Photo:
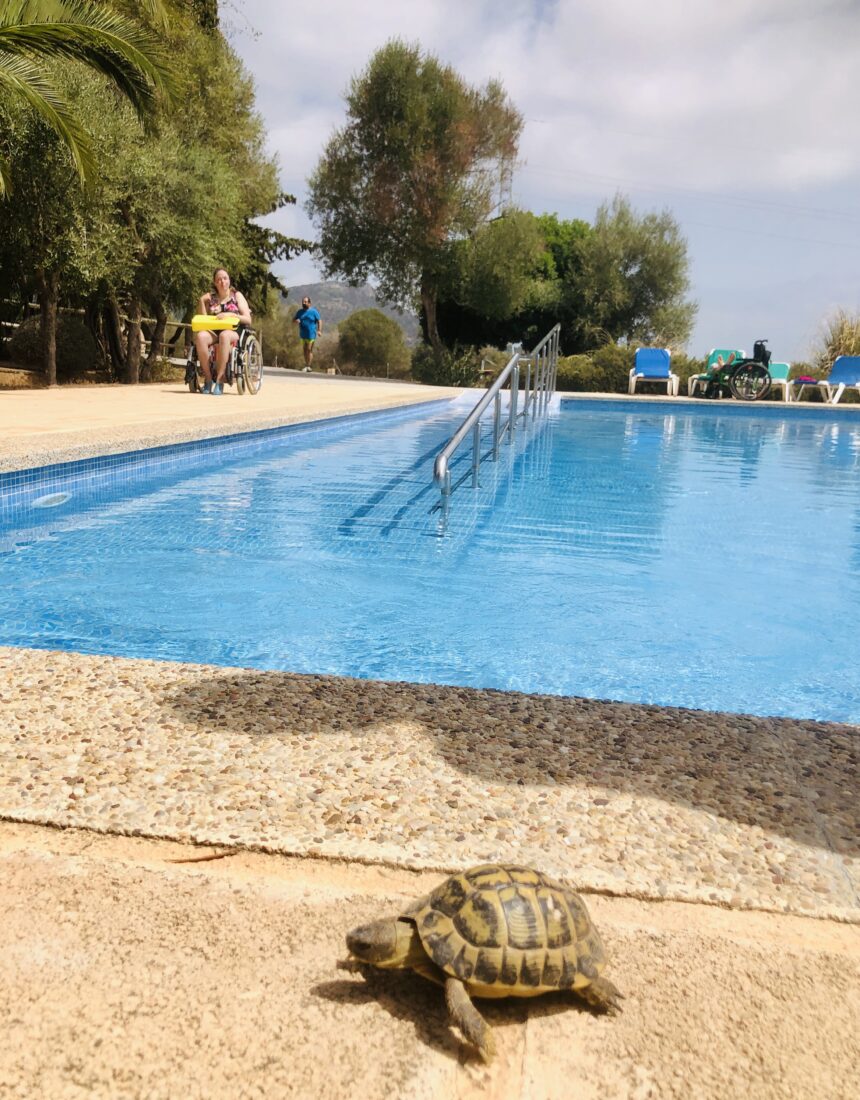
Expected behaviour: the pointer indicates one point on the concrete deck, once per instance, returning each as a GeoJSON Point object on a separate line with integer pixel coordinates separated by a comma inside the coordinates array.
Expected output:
{"type": "Point", "coordinates": [631, 801]}
{"type": "Point", "coordinates": [128, 970]}
{"type": "Point", "coordinates": [39, 427]}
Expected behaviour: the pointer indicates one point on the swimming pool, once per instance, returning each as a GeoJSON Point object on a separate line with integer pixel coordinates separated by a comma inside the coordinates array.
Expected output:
{"type": "Point", "coordinates": [649, 552]}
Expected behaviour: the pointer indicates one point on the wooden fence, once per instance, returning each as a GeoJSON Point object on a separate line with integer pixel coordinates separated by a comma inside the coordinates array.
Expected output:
{"type": "Point", "coordinates": [177, 341]}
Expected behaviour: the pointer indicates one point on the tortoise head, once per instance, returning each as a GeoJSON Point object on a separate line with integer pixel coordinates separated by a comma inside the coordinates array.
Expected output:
{"type": "Point", "coordinates": [386, 943]}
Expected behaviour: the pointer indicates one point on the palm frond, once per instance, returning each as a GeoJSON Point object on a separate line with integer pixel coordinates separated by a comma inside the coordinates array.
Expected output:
{"type": "Point", "coordinates": [26, 80]}
{"type": "Point", "coordinates": [128, 54]}
{"type": "Point", "coordinates": [155, 10]}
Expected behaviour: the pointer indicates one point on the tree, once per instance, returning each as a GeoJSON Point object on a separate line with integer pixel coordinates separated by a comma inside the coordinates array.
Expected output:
{"type": "Point", "coordinates": [497, 265]}
{"type": "Point", "coordinates": [624, 278]}
{"type": "Point", "coordinates": [165, 193]}
{"type": "Point", "coordinates": [145, 236]}
{"type": "Point", "coordinates": [186, 199]}
{"type": "Point", "coordinates": [413, 169]}
{"type": "Point", "coordinates": [45, 233]}
{"type": "Point", "coordinates": [34, 33]}
{"type": "Point", "coordinates": [206, 13]}
{"type": "Point", "coordinates": [495, 279]}
{"type": "Point", "coordinates": [373, 343]}
{"type": "Point", "coordinates": [558, 297]}
{"type": "Point", "coordinates": [634, 278]}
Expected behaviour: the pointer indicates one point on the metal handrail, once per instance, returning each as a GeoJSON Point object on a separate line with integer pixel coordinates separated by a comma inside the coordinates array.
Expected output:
{"type": "Point", "coordinates": [544, 360]}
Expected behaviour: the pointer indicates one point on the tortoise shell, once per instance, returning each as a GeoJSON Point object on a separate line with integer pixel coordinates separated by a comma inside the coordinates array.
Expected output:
{"type": "Point", "coordinates": [507, 931]}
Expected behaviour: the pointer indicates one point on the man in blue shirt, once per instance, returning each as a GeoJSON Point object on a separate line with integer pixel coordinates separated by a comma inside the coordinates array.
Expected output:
{"type": "Point", "coordinates": [310, 323]}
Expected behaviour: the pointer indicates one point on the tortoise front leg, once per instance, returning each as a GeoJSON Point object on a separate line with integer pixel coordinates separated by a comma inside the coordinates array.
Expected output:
{"type": "Point", "coordinates": [602, 995]}
{"type": "Point", "coordinates": [468, 1019]}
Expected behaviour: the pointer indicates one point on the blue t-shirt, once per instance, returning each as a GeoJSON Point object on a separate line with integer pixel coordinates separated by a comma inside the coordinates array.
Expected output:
{"type": "Point", "coordinates": [308, 319]}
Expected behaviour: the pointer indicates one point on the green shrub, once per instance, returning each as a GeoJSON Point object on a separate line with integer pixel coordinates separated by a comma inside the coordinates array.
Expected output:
{"type": "Point", "coordinates": [455, 368]}
{"type": "Point", "coordinates": [685, 366]}
{"type": "Point", "coordinates": [604, 370]}
{"type": "Point", "coordinates": [576, 375]}
{"type": "Point", "coordinates": [76, 350]}
{"type": "Point", "coordinates": [839, 335]}
{"type": "Point", "coordinates": [495, 358]}
{"type": "Point", "coordinates": [607, 370]}
{"type": "Point", "coordinates": [373, 344]}
{"type": "Point", "coordinates": [491, 362]}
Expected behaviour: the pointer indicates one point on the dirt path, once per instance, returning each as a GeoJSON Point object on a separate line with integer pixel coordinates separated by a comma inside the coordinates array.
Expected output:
{"type": "Point", "coordinates": [129, 973]}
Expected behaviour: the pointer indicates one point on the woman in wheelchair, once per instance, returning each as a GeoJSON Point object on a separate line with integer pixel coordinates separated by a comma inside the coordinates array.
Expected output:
{"type": "Point", "coordinates": [223, 298]}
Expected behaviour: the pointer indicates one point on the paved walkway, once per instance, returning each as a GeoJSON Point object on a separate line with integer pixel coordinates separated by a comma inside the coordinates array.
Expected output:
{"type": "Point", "coordinates": [38, 427]}
{"type": "Point", "coordinates": [128, 970]}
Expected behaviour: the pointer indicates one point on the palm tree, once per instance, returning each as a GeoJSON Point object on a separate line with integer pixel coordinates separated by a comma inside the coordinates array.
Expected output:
{"type": "Point", "coordinates": [33, 33]}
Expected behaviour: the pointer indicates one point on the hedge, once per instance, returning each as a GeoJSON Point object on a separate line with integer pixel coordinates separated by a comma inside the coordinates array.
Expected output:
{"type": "Point", "coordinates": [607, 370]}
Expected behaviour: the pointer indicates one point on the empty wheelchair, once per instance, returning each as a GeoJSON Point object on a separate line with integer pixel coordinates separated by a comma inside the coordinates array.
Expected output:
{"type": "Point", "coordinates": [244, 367]}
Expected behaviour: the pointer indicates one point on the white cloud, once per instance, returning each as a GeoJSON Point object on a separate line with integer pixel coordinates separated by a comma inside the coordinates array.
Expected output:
{"type": "Point", "coordinates": [674, 99]}
{"type": "Point", "coordinates": [670, 90]}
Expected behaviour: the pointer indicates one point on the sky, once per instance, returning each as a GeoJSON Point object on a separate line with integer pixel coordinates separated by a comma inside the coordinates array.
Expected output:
{"type": "Point", "coordinates": [740, 117]}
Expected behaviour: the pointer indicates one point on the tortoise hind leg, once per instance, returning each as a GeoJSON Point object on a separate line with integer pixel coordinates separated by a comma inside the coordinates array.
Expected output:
{"type": "Point", "coordinates": [468, 1019]}
{"type": "Point", "coordinates": [601, 994]}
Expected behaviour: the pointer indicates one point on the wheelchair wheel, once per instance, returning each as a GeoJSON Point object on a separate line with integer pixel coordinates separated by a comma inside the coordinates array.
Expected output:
{"type": "Point", "coordinates": [253, 365]}
{"type": "Point", "coordinates": [240, 377]}
{"type": "Point", "coordinates": [750, 383]}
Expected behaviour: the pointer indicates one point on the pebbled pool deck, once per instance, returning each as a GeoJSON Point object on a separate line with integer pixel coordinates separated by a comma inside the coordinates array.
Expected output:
{"type": "Point", "coordinates": [629, 800]}
{"type": "Point", "coordinates": [640, 801]}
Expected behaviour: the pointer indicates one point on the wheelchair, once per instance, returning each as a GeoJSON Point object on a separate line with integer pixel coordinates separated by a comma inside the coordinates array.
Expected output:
{"type": "Point", "coordinates": [746, 379]}
{"type": "Point", "coordinates": [244, 367]}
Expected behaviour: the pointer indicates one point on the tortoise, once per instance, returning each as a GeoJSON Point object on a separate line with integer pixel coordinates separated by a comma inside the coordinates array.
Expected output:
{"type": "Point", "coordinates": [497, 930]}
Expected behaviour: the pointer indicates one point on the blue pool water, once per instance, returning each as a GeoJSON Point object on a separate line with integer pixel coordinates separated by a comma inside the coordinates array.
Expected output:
{"type": "Point", "coordinates": [703, 557]}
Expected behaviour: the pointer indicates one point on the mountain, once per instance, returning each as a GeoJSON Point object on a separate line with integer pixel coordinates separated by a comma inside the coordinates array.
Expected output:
{"type": "Point", "coordinates": [336, 301]}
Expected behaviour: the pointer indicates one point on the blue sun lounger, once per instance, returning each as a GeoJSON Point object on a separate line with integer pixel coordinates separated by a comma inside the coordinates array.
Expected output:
{"type": "Point", "coordinates": [652, 365]}
{"type": "Point", "coordinates": [844, 374]}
